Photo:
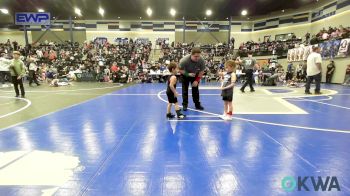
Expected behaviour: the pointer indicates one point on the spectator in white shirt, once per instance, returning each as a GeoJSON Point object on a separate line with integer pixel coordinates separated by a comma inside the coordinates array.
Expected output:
{"type": "Point", "coordinates": [32, 71]}
{"type": "Point", "coordinates": [314, 70]}
{"type": "Point", "coordinates": [4, 68]}
{"type": "Point", "coordinates": [39, 53]}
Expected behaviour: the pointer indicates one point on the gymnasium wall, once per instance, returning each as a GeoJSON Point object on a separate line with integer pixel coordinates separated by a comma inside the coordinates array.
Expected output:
{"type": "Point", "coordinates": [58, 36]}
{"type": "Point", "coordinates": [202, 37]}
{"type": "Point", "coordinates": [335, 21]}
{"type": "Point", "coordinates": [299, 21]}
{"type": "Point", "coordinates": [14, 35]}
{"type": "Point", "coordinates": [111, 35]}
{"type": "Point", "coordinates": [310, 19]}
{"type": "Point", "coordinates": [301, 29]}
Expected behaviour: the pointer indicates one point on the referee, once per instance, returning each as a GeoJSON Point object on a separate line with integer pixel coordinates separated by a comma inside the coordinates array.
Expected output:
{"type": "Point", "coordinates": [192, 69]}
{"type": "Point", "coordinates": [249, 64]}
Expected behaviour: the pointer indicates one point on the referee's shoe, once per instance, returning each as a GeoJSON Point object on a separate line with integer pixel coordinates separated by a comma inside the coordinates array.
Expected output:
{"type": "Point", "coordinates": [198, 107]}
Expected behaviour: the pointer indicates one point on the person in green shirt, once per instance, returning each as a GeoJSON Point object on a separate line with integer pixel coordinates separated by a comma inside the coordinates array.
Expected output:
{"type": "Point", "coordinates": [17, 71]}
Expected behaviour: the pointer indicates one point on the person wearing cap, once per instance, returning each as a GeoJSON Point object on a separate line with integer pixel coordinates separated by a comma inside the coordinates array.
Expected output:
{"type": "Point", "coordinates": [17, 71]}
{"type": "Point", "coordinates": [314, 70]}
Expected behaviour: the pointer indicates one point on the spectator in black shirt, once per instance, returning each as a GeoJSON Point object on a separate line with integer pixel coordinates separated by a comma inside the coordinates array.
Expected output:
{"type": "Point", "coordinates": [307, 38]}
{"type": "Point", "coordinates": [330, 72]}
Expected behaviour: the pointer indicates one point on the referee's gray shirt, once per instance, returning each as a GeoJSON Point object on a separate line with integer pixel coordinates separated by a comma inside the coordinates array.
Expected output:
{"type": "Point", "coordinates": [249, 63]}
{"type": "Point", "coordinates": [190, 66]}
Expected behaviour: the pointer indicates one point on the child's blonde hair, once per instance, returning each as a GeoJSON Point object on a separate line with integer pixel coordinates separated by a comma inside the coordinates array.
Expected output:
{"type": "Point", "coordinates": [231, 63]}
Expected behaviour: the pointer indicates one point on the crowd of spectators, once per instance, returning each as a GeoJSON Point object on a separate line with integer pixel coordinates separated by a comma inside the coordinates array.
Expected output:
{"type": "Point", "coordinates": [128, 61]}
{"type": "Point", "coordinates": [280, 47]}
{"type": "Point", "coordinates": [102, 62]}
{"type": "Point", "coordinates": [330, 34]}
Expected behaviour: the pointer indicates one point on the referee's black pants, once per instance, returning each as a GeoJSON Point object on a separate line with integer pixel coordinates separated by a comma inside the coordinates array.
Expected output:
{"type": "Point", "coordinates": [249, 79]}
{"type": "Point", "coordinates": [186, 81]}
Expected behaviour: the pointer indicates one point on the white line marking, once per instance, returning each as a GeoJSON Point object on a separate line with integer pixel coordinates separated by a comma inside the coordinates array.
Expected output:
{"type": "Point", "coordinates": [331, 92]}
{"type": "Point", "coordinates": [267, 92]}
{"type": "Point", "coordinates": [187, 120]}
{"type": "Point", "coordinates": [126, 94]}
{"type": "Point", "coordinates": [157, 94]}
{"type": "Point", "coordinates": [109, 94]}
{"type": "Point", "coordinates": [19, 110]}
{"type": "Point", "coordinates": [338, 106]}
{"type": "Point", "coordinates": [270, 113]}
{"type": "Point", "coordinates": [293, 109]}
{"type": "Point", "coordinates": [286, 147]}
{"type": "Point", "coordinates": [290, 90]}
{"type": "Point", "coordinates": [264, 122]}
{"type": "Point", "coordinates": [293, 126]}
{"type": "Point", "coordinates": [300, 99]}
{"type": "Point", "coordinates": [72, 90]}
{"type": "Point", "coordinates": [329, 98]}
{"type": "Point", "coordinates": [201, 116]}
{"type": "Point", "coordinates": [290, 106]}
{"type": "Point", "coordinates": [50, 113]}
{"type": "Point", "coordinates": [107, 159]}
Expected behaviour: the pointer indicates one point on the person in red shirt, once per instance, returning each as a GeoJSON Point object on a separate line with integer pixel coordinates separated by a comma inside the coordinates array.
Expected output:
{"type": "Point", "coordinates": [114, 67]}
{"type": "Point", "coordinates": [114, 70]}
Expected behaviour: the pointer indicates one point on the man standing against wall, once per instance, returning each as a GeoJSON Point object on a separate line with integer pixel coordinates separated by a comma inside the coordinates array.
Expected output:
{"type": "Point", "coordinates": [290, 71]}
{"type": "Point", "coordinates": [17, 71]}
{"type": "Point", "coordinates": [330, 72]}
{"type": "Point", "coordinates": [249, 65]}
{"type": "Point", "coordinates": [233, 43]}
{"type": "Point", "coordinates": [192, 69]}
{"type": "Point", "coordinates": [314, 70]}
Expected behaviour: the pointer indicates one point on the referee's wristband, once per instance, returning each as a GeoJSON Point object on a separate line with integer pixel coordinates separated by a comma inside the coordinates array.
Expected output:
{"type": "Point", "coordinates": [198, 79]}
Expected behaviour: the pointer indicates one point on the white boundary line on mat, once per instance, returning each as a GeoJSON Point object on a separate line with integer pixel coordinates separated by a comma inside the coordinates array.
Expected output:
{"type": "Point", "coordinates": [14, 125]}
{"type": "Point", "coordinates": [188, 120]}
{"type": "Point", "coordinates": [201, 116]}
{"type": "Point", "coordinates": [55, 90]}
{"type": "Point", "coordinates": [317, 101]}
{"type": "Point", "coordinates": [19, 110]}
{"type": "Point", "coordinates": [265, 122]}
{"type": "Point", "coordinates": [302, 99]}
